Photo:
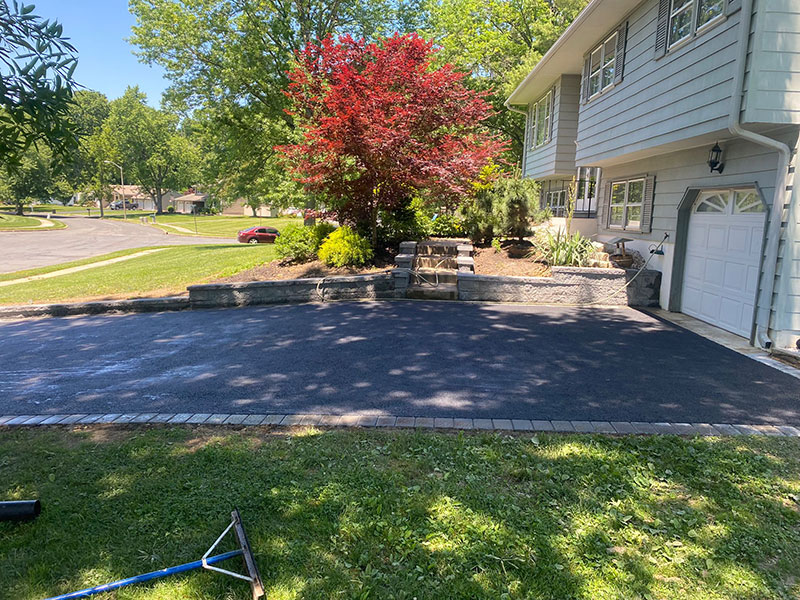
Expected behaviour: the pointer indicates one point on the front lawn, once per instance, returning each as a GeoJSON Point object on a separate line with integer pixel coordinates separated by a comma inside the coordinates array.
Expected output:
{"type": "Point", "coordinates": [207, 225]}
{"type": "Point", "coordinates": [13, 222]}
{"type": "Point", "coordinates": [163, 273]}
{"type": "Point", "coordinates": [370, 514]}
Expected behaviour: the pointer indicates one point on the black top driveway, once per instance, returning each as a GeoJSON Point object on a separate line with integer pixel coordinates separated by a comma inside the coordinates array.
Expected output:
{"type": "Point", "coordinates": [398, 358]}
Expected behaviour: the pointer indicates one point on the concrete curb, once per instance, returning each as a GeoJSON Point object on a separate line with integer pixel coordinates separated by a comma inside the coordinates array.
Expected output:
{"type": "Point", "coordinates": [170, 303]}
{"type": "Point", "coordinates": [394, 422]}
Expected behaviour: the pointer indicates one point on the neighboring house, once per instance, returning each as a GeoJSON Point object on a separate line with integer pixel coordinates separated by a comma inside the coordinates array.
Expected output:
{"type": "Point", "coordinates": [632, 99]}
{"type": "Point", "coordinates": [191, 202]}
{"type": "Point", "coordinates": [131, 193]}
{"type": "Point", "coordinates": [239, 208]}
{"type": "Point", "coordinates": [139, 196]}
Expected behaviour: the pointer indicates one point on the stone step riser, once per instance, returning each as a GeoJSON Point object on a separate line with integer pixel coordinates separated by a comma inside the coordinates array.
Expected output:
{"type": "Point", "coordinates": [435, 262]}
{"type": "Point", "coordinates": [430, 278]}
{"type": "Point", "coordinates": [442, 292]}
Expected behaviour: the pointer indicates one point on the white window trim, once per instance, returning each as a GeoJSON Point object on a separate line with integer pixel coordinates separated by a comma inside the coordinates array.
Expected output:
{"type": "Point", "coordinates": [695, 30]}
{"type": "Point", "coordinates": [602, 48]}
{"type": "Point", "coordinates": [627, 183]}
{"type": "Point", "coordinates": [562, 207]}
{"type": "Point", "coordinates": [547, 102]}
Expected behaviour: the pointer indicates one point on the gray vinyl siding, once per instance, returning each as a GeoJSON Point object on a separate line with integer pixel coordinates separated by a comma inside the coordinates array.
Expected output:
{"type": "Point", "coordinates": [745, 163]}
{"type": "Point", "coordinates": [773, 80]}
{"type": "Point", "coordinates": [557, 157]}
{"type": "Point", "coordinates": [684, 94]}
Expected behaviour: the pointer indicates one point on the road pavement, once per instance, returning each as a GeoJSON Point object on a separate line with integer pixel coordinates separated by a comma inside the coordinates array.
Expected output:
{"type": "Point", "coordinates": [83, 238]}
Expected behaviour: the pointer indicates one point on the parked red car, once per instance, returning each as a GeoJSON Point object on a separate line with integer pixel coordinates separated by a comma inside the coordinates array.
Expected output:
{"type": "Point", "coordinates": [258, 235]}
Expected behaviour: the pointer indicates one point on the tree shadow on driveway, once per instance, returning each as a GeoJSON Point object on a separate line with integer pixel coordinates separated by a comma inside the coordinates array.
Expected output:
{"type": "Point", "coordinates": [398, 358]}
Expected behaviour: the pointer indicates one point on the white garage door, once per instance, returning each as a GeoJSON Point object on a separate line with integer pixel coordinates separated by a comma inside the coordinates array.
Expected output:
{"type": "Point", "coordinates": [723, 250]}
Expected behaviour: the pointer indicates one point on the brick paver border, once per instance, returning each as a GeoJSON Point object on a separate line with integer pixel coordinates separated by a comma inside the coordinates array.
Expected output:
{"type": "Point", "coordinates": [394, 422]}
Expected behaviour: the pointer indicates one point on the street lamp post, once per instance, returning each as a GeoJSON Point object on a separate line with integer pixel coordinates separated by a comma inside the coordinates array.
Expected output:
{"type": "Point", "coordinates": [122, 184]}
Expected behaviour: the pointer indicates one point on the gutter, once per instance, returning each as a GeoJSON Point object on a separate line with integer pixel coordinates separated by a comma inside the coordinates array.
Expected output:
{"type": "Point", "coordinates": [524, 134]}
{"type": "Point", "coordinates": [785, 156]}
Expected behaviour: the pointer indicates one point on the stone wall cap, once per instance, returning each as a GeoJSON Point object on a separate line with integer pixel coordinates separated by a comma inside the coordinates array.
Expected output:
{"type": "Point", "coordinates": [240, 285]}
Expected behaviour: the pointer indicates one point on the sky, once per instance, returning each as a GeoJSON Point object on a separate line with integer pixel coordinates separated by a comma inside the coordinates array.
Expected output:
{"type": "Point", "coordinates": [98, 30]}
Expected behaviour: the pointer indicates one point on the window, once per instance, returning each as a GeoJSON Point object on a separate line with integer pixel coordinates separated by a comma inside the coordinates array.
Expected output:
{"type": "Point", "coordinates": [541, 120]}
{"type": "Point", "coordinates": [586, 189]}
{"type": "Point", "coordinates": [725, 202]}
{"type": "Point", "coordinates": [748, 202]}
{"type": "Point", "coordinates": [556, 202]}
{"type": "Point", "coordinates": [602, 65]}
{"type": "Point", "coordinates": [627, 202]}
{"type": "Point", "coordinates": [687, 17]}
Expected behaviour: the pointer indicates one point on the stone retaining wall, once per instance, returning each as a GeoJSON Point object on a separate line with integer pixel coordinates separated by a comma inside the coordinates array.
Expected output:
{"type": "Point", "coordinates": [568, 285]}
{"type": "Point", "coordinates": [316, 289]}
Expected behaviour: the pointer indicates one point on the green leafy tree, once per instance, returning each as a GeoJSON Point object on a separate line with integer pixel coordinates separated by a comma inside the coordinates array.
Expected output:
{"type": "Point", "coordinates": [30, 181]}
{"type": "Point", "coordinates": [499, 42]}
{"type": "Point", "coordinates": [147, 143]}
{"type": "Point", "coordinates": [230, 58]}
{"type": "Point", "coordinates": [36, 85]}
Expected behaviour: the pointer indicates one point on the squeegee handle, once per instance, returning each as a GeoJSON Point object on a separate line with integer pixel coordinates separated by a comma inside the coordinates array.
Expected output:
{"type": "Point", "coordinates": [198, 564]}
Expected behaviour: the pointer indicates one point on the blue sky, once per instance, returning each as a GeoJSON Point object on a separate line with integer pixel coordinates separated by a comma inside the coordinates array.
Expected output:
{"type": "Point", "coordinates": [106, 63]}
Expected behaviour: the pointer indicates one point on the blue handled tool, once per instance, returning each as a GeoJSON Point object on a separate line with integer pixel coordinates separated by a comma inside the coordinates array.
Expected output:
{"type": "Point", "coordinates": [253, 577]}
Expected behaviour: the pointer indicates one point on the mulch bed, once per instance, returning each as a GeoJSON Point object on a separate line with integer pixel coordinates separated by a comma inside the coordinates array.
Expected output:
{"type": "Point", "coordinates": [278, 270]}
{"type": "Point", "coordinates": [512, 260]}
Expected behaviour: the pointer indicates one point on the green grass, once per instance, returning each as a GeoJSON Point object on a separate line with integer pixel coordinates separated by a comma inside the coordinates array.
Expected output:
{"type": "Point", "coordinates": [67, 265]}
{"type": "Point", "coordinates": [401, 515]}
{"type": "Point", "coordinates": [14, 222]}
{"type": "Point", "coordinates": [166, 272]}
{"type": "Point", "coordinates": [208, 225]}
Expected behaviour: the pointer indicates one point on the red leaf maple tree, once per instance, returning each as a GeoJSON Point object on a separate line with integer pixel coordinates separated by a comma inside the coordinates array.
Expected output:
{"type": "Point", "coordinates": [379, 122]}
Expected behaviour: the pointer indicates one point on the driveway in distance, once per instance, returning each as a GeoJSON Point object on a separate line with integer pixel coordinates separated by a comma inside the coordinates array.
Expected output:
{"type": "Point", "coordinates": [83, 238]}
{"type": "Point", "coordinates": [397, 358]}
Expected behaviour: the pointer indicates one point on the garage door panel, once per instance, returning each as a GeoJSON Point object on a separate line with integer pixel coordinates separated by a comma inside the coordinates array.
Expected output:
{"type": "Point", "coordinates": [698, 233]}
{"type": "Point", "coordinates": [691, 299]}
{"type": "Point", "coordinates": [695, 268]}
{"type": "Point", "coordinates": [730, 313]}
{"type": "Point", "coordinates": [735, 278]}
{"type": "Point", "coordinates": [752, 281]}
{"type": "Point", "coordinates": [709, 307]}
{"type": "Point", "coordinates": [739, 240]}
{"type": "Point", "coordinates": [717, 236]}
{"type": "Point", "coordinates": [713, 271]}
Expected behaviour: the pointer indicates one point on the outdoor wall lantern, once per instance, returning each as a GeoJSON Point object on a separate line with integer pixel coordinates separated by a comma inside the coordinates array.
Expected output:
{"type": "Point", "coordinates": [715, 159]}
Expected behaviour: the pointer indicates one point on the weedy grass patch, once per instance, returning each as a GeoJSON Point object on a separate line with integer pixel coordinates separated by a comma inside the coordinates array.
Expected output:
{"type": "Point", "coordinates": [403, 514]}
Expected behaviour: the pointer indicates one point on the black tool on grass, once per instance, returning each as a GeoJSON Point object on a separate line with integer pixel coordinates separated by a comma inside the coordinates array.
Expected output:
{"type": "Point", "coordinates": [20, 510]}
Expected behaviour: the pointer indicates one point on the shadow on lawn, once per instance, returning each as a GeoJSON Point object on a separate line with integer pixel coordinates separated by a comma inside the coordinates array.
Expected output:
{"type": "Point", "coordinates": [407, 515]}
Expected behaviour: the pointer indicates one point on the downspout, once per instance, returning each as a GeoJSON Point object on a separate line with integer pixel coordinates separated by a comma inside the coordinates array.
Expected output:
{"type": "Point", "coordinates": [785, 156]}
{"type": "Point", "coordinates": [524, 135]}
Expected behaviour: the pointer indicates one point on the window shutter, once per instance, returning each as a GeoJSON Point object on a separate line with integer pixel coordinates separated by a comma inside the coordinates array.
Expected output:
{"type": "Point", "coordinates": [662, 27]}
{"type": "Point", "coordinates": [530, 130]}
{"type": "Point", "coordinates": [552, 113]}
{"type": "Point", "coordinates": [647, 204]}
{"type": "Point", "coordinates": [622, 38]}
{"type": "Point", "coordinates": [733, 6]}
{"type": "Point", "coordinates": [587, 65]}
{"type": "Point", "coordinates": [603, 202]}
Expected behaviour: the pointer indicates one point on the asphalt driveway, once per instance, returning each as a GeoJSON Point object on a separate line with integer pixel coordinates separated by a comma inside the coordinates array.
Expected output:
{"type": "Point", "coordinates": [84, 237]}
{"type": "Point", "coordinates": [398, 358]}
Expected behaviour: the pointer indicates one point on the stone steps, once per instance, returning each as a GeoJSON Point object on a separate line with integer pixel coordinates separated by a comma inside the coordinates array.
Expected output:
{"type": "Point", "coordinates": [435, 261]}
{"type": "Point", "coordinates": [447, 291]}
{"type": "Point", "coordinates": [429, 277]}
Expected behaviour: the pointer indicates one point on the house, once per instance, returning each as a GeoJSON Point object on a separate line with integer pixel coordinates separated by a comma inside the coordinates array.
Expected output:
{"type": "Point", "coordinates": [133, 194]}
{"type": "Point", "coordinates": [680, 119]}
{"type": "Point", "coordinates": [239, 208]}
{"type": "Point", "coordinates": [191, 202]}
{"type": "Point", "coordinates": [139, 196]}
